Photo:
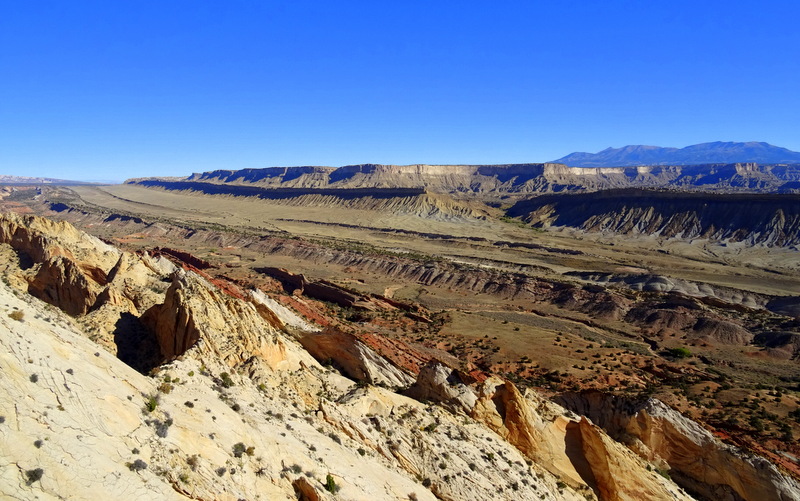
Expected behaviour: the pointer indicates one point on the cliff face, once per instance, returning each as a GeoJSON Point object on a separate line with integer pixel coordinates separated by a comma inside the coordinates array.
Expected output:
{"type": "Point", "coordinates": [497, 179]}
{"type": "Point", "coordinates": [772, 220]}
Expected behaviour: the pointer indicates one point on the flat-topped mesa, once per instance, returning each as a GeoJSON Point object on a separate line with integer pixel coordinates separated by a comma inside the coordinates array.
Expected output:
{"type": "Point", "coordinates": [439, 178]}
{"type": "Point", "coordinates": [269, 175]}
{"type": "Point", "coordinates": [500, 179]}
{"type": "Point", "coordinates": [561, 169]}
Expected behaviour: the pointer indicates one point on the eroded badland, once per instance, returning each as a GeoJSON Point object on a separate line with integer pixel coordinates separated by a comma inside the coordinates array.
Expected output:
{"type": "Point", "coordinates": [404, 332]}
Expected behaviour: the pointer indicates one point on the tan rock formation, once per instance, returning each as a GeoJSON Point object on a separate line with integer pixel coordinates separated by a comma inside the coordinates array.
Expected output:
{"type": "Point", "coordinates": [60, 282]}
{"type": "Point", "coordinates": [354, 358]}
{"type": "Point", "coordinates": [439, 383]}
{"type": "Point", "coordinates": [694, 457]}
{"type": "Point", "coordinates": [195, 313]}
{"type": "Point", "coordinates": [568, 446]}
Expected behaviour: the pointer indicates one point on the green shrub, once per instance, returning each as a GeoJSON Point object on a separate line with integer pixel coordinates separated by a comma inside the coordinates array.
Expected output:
{"type": "Point", "coordinates": [681, 352]}
{"type": "Point", "coordinates": [330, 484]}
{"type": "Point", "coordinates": [227, 382]}
{"type": "Point", "coordinates": [151, 403]}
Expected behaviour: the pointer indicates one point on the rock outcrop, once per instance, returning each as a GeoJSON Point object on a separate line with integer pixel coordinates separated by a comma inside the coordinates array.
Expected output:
{"type": "Point", "coordinates": [694, 457]}
{"type": "Point", "coordinates": [197, 314]}
{"type": "Point", "coordinates": [568, 446]}
{"type": "Point", "coordinates": [438, 383]}
{"type": "Point", "coordinates": [354, 358]}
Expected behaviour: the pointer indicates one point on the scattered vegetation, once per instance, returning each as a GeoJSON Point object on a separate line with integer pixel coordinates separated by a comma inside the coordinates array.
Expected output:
{"type": "Point", "coordinates": [239, 449]}
{"type": "Point", "coordinates": [18, 316]}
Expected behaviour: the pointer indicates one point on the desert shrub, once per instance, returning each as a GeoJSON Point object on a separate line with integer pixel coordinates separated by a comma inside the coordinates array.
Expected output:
{"type": "Point", "coordinates": [330, 484]}
{"type": "Point", "coordinates": [239, 449]}
{"type": "Point", "coordinates": [137, 465]}
{"type": "Point", "coordinates": [681, 352]}
{"type": "Point", "coordinates": [227, 382]}
{"type": "Point", "coordinates": [221, 471]}
{"type": "Point", "coordinates": [192, 461]}
{"type": "Point", "coordinates": [34, 475]}
{"type": "Point", "coordinates": [297, 469]}
{"type": "Point", "coordinates": [151, 403]}
{"type": "Point", "coordinates": [34, 378]}
{"type": "Point", "coordinates": [188, 404]}
{"type": "Point", "coordinates": [18, 316]}
{"type": "Point", "coordinates": [38, 444]}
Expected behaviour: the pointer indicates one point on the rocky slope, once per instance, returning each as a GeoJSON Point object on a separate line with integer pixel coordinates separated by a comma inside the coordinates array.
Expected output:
{"type": "Point", "coordinates": [772, 220]}
{"type": "Point", "coordinates": [728, 152]}
{"type": "Point", "coordinates": [235, 406]}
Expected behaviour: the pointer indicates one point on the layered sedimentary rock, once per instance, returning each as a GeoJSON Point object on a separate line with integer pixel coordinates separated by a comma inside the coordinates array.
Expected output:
{"type": "Point", "coordinates": [195, 313]}
{"type": "Point", "coordinates": [483, 179]}
{"type": "Point", "coordinates": [772, 220]}
{"type": "Point", "coordinates": [693, 456]}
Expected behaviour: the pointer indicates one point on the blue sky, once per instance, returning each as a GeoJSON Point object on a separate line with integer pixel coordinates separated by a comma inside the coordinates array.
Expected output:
{"type": "Point", "coordinates": [111, 90]}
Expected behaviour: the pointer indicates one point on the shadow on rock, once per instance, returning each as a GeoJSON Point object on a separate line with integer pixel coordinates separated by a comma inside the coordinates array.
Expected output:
{"type": "Point", "coordinates": [137, 346]}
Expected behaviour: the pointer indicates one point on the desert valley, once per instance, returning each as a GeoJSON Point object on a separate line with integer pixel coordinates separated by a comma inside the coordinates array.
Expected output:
{"type": "Point", "coordinates": [527, 331]}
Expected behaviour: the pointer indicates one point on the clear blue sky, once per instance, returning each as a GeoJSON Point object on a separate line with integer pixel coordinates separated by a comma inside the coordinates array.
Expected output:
{"type": "Point", "coordinates": [115, 89]}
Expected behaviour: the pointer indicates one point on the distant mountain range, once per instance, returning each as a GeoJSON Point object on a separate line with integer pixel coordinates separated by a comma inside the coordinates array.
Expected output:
{"type": "Point", "coordinates": [705, 153]}
{"type": "Point", "coordinates": [6, 179]}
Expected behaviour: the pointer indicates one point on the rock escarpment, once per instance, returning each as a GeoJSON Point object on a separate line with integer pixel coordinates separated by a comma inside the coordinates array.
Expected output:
{"type": "Point", "coordinates": [771, 220]}
{"type": "Point", "coordinates": [492, 180]}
